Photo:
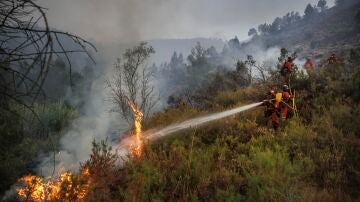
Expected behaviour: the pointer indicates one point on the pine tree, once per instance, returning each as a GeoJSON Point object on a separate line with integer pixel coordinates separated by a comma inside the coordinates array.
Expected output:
{"type": "Point", "coordinates": [309, 11]}
{"type": "Point", "coordinates": [322, 5]}
{"type": "Point", "coordinates": [252, 32]}
{"type": "Point", "coordinates": [357, 17]}
{"type": "Point", "coordinates": [234, 44]}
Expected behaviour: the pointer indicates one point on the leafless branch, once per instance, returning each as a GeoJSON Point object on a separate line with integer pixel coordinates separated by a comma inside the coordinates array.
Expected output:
{"type": "Point", "coordinates": [27, 47]}
{"type": "Point", "coordinates": [131, 82]}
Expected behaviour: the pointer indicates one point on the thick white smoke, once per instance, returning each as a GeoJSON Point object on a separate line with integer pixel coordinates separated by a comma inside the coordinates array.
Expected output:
{"type": "Point", "coordinates": [97, 120]}
{"type": "Point", "coordinates": [95, 123]}
{"type": "Point", "coordinates": [111, 21]}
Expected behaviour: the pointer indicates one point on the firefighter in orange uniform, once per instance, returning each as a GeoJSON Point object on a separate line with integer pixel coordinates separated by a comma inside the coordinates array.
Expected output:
{"type": "Point", "coordinates": [286, 69]}
{"type": "Point", "coordinates": [285, 102]}
{"type": "Point", "coordinates": [273, 110]}
{"type": "Point", "coordinates": [308, 64]}
{"type": "Point", "coordinates": [269, 104]}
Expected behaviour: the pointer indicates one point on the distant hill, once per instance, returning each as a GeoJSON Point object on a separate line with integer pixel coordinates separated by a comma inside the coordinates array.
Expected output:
{"type": "Point", "coordinates": [333, 30]}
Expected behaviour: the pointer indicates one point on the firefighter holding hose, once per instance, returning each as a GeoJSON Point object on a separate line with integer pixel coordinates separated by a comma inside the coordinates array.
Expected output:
{"type": "Point", "coordinates": [277, 106]}
{"type": "Point", "coordinates": [270, 108]}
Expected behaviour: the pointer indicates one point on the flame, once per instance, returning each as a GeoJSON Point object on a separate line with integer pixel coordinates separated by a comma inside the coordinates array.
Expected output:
{"type": "Point", "coordinates": [34, 188]}
{"type": "Point", "coordinates": [67, 187]}
{"type": "Point", "coordinates": [138, 115]}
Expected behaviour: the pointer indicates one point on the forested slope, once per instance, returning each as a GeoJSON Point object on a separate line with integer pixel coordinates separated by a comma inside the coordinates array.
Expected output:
{"type": "Point", "coordinates": [335, 29]}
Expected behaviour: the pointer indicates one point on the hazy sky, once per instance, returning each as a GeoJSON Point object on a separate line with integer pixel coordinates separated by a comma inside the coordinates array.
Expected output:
{"type": "Point", "coordinates": [110, 21]}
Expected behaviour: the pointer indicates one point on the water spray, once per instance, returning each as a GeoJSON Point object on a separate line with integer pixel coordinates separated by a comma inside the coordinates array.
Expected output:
{"type": "Point", "coordinates": [152, 135]}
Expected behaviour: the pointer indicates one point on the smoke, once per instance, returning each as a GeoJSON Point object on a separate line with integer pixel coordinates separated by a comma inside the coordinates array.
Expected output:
{"type": "Point", "coordinates": [111, 21]}
{"type": "Point", "coordinates": [97, 119]}
{"type": "Point", "coordinates": [95, 123]}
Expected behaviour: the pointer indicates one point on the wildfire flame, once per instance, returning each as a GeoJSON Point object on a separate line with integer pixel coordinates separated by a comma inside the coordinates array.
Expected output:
{"type": "Point", "coordinates": [68, 186]}
{"type": "Point", "coordinates": [65, 187]}
{"type": "Point", "coordinates": [138, 115]}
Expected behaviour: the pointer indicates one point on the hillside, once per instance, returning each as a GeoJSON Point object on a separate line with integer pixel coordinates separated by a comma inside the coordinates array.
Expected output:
{"type": "Point", "coordinates": [333, 30]}
{"type": "Point", "coordinates": [313, 154]}
{"type": "Point", "coordinates": [313, 157]}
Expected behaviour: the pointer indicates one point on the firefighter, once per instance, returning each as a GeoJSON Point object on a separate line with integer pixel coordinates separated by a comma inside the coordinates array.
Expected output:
{"type": "Point", "coordinates": [275, 118]}
{"type": "Point", "coordinates": [332, 59]}
{"type": "Point", "coordinates": [272, 110]}
{"type": "Point", "coordinates": [285, 102]}
{"type": "Point", "coordinates": [286, 69]}
{"type": "Point", "coordinates": [308, 64]}
{"type": "Point", "coordinates": [269, 97]}
{"type": "Point", "coordinates": [269, 105]}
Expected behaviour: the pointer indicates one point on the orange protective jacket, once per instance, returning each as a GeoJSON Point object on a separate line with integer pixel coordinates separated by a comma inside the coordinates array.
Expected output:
{"type": "Point", "coordinates": [308, 64]}
{"type": "Point", "coordinates": [288, 65]}
{"type": "Point", "coordinates": [284, 107]}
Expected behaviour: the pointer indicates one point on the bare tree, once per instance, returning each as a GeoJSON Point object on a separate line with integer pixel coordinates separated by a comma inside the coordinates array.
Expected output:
{"type": "Point", "coordinates": [131, 82]}
{"type": "Point", "coordinates": [247, 69]}
{"type": "Point", "coordinates": [261, 68]}
{"type": "Point", "coordinates": [27, 47]}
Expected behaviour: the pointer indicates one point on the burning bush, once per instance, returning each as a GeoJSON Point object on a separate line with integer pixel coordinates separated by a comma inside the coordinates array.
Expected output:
{"type": "Point", "coordinates": [94, 181]}
{"type": "Point", "coordinates": [103, 172]}
{"type": "Point", "coordinates": [66, 187]}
